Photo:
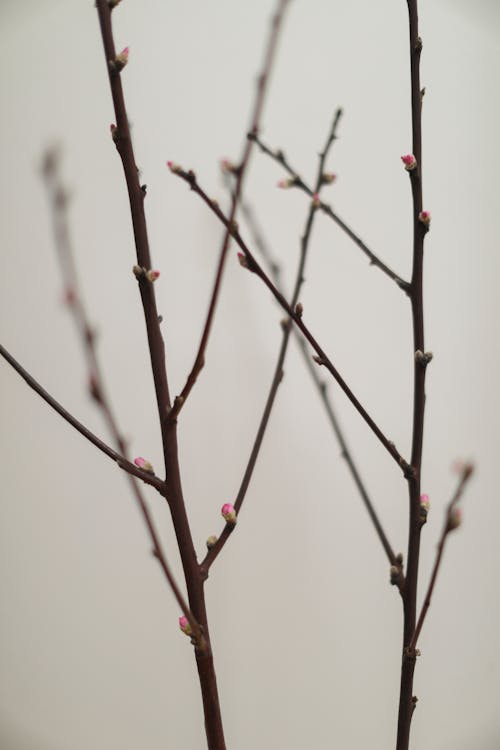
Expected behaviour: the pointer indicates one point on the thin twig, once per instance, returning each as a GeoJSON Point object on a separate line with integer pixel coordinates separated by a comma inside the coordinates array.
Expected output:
{"type": "Point", "coordinates": [239, 172]}
{"type": "Point", "coordinates": [322, 389]}
{"type": "Point", "coordinates": [122, 462]}
{"type": "Point", "coordinates": [407, 700]}
{"type": "Point", "coordinates": [278, 372]}
{"type": "Point", "coordinates": [278, 156]}
{"type": "Point", "coordinates": [321, 358]}
{"type": "Point", "coordinates": [450, 523]}
{"type": "Point", "coordinates": [58, 198]}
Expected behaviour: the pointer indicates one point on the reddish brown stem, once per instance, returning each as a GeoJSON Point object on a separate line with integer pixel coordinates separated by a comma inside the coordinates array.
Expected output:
{"type": "Point", "coordinates": [448, 526]}
{"type": "Point", "coordinates": [407, 700]}
{"type": "Point", "coordinates": [321, 357]}
{"type": "Point", "coordinates": [173, 487]}
{"type": "Point", "coordinates": [278, 371]}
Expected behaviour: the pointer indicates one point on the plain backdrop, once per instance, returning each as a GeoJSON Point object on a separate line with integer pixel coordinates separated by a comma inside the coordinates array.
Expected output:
{"type": "Point", "coordinates": [306, 629]}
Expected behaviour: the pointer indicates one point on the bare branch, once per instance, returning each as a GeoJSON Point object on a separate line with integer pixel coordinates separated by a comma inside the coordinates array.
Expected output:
{"type": "Point", "coordinates": [321, 358]}
{"type": "Point", "coordinates": [297, 181]}
{"type": "Point", "coordinates": [239, 172]}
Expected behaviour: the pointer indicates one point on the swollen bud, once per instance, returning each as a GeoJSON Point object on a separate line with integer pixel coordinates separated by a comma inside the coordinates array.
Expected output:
{"type": "Point", "coordinates": [229, 514]}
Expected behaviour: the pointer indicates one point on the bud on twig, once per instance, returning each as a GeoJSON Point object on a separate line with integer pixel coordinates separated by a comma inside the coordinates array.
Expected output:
{"type": "Point", "coordinates": [211, 541]}
{"type": "Point", "coordinates": [229, 514]}
{"type": "Point", "coordinates": [316, 201]}
{"type": "Point", "coordinates": [454, 519]}
{"type": "Point", "coordinates": [228, 166]}
{"type": "Point", "coordinates": [424, 218]}
{"type": "Point", "coordinates": [152, 275]}
{"type": "Point", "coordinates": [185, 626]}
{"type": "Point", "coordinates": [424, 508]}
{"type": "Point", "coordinates": [409, 161]}
{"type": "Point", "coordinates": [143, 464]}
{"type": "Point", "coordinates": [120, 60]}
{"type": "Point", "coordinates": [328, 177]}
{"type": "Point", "coordinates": [175, 168]}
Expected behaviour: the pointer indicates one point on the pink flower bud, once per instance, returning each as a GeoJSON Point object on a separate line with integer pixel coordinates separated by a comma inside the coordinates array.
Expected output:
{"type": "Point", "coordinates": [242, 260]}
{"type": "Point", "coordinates": [409, 161]}
{"type": "Point", "coordinates": [454, 518]}
{"type": "Point", "coordinates": [316, 201]}
{"type": "Point", "coordinates": [425, 503]}
{"type": "Point", "coordinates": [284, 184]}
{"type": "Point", "coordinates": [114, 131]}
{"type": "Point", "coordinates": [175, 168]}
{"type": "Point", "coordinates": [143, 464]}
{"type": "Point", "coordinates": [152, 275]}
{"type": "Point", "coordinates": [229, 513]}
{"type": "Point", "coordinates": [122, 58]}
{"type": "Point", "coordinates": [184, 625]}
{"type": "Point", "coordinates": [425, 218]}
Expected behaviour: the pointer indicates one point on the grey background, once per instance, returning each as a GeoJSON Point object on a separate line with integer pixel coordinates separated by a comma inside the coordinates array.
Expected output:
{"type": "Point", "coordinates": [306, 629]}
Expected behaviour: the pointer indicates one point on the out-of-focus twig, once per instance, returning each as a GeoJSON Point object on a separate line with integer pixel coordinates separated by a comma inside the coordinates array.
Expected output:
{"type": "Point", "coordinates": [58, 197]}
{"type": "Point", "coordinates": [239, 172]}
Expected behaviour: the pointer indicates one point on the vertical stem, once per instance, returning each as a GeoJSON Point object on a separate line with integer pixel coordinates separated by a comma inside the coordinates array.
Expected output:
{"type": "Point", "coordinates": [173, 486]}
{"type": "Point", "coordinates": [407, 701]}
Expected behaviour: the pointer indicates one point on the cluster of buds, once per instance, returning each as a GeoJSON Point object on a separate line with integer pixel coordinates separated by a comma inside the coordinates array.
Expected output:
{"type": "Point", "coordinates": [185, 626]}
{"type": "Point", "coordinates": [229, 514]}
{"type": "Point", "coordinates": [120, 60]}
{"type": "Point", "coordinates": [140, 272]}
{"type": "Point", "coordinates": [409, 161]}
{"type": "Point", "coordinates": [423, 358]}
{"type": "Point", "coordinates": [424, 218]}
{"type": "Point", "coordinates": [143, 464]}
{"type": "Point", "coordinates": [424, 508]}
{"type": "Point", "coordinates": [175, 168]}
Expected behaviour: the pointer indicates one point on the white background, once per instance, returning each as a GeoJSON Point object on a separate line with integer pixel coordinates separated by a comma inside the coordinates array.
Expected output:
{"type": "Point", "coordinates": [305, 628]}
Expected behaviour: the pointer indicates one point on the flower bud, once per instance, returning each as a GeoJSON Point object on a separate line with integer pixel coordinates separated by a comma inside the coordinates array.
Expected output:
{"type": "Point", "coordinates": [315, 200]}
{"type": "Point", "coordinates": [424, 508]}
{"type": "Point", "coordinates": [229, 514]}
{"type": "Point", "coordinates": [285, 184]}
{"type": "Point", "coordinates": [425, 218]}
{"type": "Point", "coordinates": [328, 177]}
{"type": "Point", "coordinates": [242, 260]}
{"type": "Point", "coordinates": [185, 626]}
{"type": "Point", "coordinates": [175, 168]}
{"type": "Point", "coordinates": [454, 519]}
{"type": "Point", "coordinates": [152, 275]}
{"type": "Point", "coordinates": [143, 464]}
{"type": "Point", "coordinates": [121, 59]}
{"type": "Point", "coordinates": [409, 161]}
{"type": "Point", "coordinates": [228, 166]}
{"type": "Point", "coordinates": [211, 541]}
